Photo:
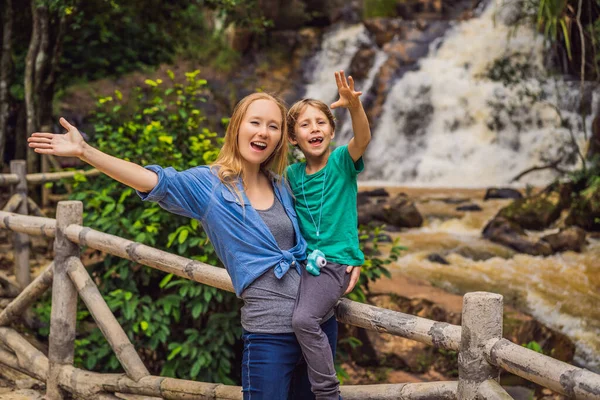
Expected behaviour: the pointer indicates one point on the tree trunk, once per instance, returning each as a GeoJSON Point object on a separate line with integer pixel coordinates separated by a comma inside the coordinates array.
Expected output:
{"type": "Point", "coordinates": [5, 69]}
{"type": "Point", "coordinates": [47, 89]}
{"type": "Point", "coordinates": [29, 83]}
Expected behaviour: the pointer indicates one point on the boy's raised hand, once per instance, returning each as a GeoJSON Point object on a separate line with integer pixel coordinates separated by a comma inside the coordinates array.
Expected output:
{"type": "Point", "coordinates": [348, 96]}
{"type": "Point", "coordinates": [69, 144]}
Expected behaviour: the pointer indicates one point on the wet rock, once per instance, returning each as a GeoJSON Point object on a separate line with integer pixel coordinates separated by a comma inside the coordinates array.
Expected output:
{"type": "Point", "coordinates": [474, 254]}
{"type": "Point", "coordinates": [538, 212]}
{"type": "Point", "coordinates": [361, 63]}
{"type": "Point", "coordinates": [384, 29]}
{"type": "Point", "coordinates": [585, 210]}
{"type": "Point", "coordinates": [452, 200]}
{"type": "Point", "coordinates": [401, 211]}
{"type": "Point", "coordinates": [437, 258]}
{"type": "Point", "coordinates": [503, 231]}
{"type": "Point", "coordinates": [398, 211]}
{"type": "Point", "coordinates": [502, 193]}
{"type": "Point", "coordinates": [379, 192]}
{"type": "Point", "coordinates": [469, 207]}
{"type": "Point", "coordinates": [572, 239]}
{"type": "Point", "coordinates": [350, 12]}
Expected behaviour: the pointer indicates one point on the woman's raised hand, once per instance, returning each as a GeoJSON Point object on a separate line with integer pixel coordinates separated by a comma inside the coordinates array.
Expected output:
{"type": "Point", "coordinates": [69, 144]}
{"type": "Point", "coordinates": [349, 98]}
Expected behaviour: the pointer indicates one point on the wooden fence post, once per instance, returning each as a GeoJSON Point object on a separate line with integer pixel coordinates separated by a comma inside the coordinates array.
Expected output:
{"type": "Point", "coordinates": [64, 298]}
{"type": "Point", "coordinates": [21, 240]}
{"type": "Point", "coordinates": [481, 322]}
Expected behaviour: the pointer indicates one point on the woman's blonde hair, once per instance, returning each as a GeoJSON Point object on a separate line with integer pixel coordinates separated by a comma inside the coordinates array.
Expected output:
{"type": "Point", "coordinates": [299, 107]}
{"type": "Point", "coordinates": [229, 161]}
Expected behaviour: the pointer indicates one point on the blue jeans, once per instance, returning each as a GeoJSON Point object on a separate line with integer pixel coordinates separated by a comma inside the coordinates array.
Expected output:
{"type": "Point", "coordinates": [273, 367]}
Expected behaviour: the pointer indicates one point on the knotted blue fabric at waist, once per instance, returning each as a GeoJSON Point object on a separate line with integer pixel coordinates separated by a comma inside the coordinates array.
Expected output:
{"type": "Point", "coordinates": [286, 262]}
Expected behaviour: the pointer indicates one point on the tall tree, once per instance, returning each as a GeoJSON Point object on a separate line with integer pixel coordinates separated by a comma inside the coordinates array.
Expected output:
{"type": "Point", "coordinates": [40, 67]}
{"type": "Point", "coordinates": [5, 70]}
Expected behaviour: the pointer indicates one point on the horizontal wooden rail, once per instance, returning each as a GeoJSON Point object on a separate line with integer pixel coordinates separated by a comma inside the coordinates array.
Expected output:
{"type": "Point", "coordinates": [87, 384]}
{"type": "Point", "coordinates": [39, 178]}
{"type": "Point", "coordinates": [9, 179]}
{"type": "Point", "coordinates": [56, 176]}
{"type": "Point", "coordinates": [438, 334]}
{"type": "Point", "coordinates": [35, 226]}
{"type": "Point", "coordinates": [543, 370]}
{"type": "Point", "coordinates": [546, 371]}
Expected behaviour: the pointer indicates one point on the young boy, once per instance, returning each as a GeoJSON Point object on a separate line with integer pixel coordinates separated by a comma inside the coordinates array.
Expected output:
{"type": "Point", "coordinates": [325, 191]}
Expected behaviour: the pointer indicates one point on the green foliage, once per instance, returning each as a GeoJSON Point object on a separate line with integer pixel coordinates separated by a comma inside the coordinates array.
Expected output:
{"type": "Point", "coordinates": [375, 264]}
{"type": "Point", "coordinates": [108, 38]}
{"type": "Point", "coordinates": [181, 328]}
{"type": "Point", "coordinates": [535, 346]}
{"type": "Point", "coordinates": [379, 8]}
{"type": "Point", "coordinates": [242, 13]}
{"type": "Point", "coordinates": [552, 16]}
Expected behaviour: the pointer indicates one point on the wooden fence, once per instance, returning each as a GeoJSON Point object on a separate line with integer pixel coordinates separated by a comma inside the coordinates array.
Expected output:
{"type": "Point", "coordinates": [482, 350]}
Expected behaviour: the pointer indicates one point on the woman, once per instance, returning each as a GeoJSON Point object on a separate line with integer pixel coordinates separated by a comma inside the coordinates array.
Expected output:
{"type": "Point", "coordinates": [248, 214]}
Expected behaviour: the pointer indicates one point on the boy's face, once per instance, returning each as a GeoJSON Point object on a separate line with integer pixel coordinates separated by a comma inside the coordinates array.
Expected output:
{"type": "Point", "coordinates": [312, 133]}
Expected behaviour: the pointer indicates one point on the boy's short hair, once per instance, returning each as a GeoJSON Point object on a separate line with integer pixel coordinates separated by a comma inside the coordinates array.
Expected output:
{"type": "Point", "coordinates": [300, 106]}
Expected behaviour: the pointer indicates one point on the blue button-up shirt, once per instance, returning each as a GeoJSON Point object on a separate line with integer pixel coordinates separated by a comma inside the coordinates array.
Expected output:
{"type": "Point", "coordinates": [241, 239]}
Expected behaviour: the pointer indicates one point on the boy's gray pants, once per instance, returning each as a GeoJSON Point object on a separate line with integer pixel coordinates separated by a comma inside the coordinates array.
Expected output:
{"type": "Point", "coordinates": [316, 297]}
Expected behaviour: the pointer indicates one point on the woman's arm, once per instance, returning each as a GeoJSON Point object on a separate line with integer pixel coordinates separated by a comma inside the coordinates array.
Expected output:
{"type": "Point", "coordinates": [71, 144]}
{"type": "Point", "coordinates": [349, 98]}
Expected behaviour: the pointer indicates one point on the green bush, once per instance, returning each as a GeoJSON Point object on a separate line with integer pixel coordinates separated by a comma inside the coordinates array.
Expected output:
{"type": "Point", "coordinates": [180, 328]}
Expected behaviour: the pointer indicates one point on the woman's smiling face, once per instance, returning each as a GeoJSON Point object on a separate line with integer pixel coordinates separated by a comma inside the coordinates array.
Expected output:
{"type": "Point", "coordinates": [260, 131]}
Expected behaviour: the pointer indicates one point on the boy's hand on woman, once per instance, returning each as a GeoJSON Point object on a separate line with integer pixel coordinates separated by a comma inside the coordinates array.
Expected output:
{"type": "Point", "coordinates": [349, 98]}
{"type": "Point", "coordinates": [354, 275]}
{"type": "Point", "coordinates": [70, 144]}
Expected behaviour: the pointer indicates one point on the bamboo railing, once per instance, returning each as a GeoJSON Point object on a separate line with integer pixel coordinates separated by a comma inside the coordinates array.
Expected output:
{"type": "Point", "coordinates": [482, 350]}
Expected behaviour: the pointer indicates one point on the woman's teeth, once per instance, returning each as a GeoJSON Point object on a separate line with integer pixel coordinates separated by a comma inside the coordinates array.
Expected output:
{"type": "Point", "coordinates": [259, 145]}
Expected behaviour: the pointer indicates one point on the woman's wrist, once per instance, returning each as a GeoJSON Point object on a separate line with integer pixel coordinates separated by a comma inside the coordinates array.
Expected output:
{"type": "Point", "coordinates": [84, 149]}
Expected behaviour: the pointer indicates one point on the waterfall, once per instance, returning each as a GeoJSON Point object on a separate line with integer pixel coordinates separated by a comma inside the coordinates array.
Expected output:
{"type": "Point", "coordinates": [453, 120]}
{"type": "Point", "coordinates": [449, 124]}
{"type": "Point", "coordinates": [338, 47]}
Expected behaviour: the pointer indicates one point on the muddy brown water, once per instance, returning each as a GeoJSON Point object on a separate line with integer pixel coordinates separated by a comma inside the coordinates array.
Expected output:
{"type": "Point", "coordinates": [562, 291]}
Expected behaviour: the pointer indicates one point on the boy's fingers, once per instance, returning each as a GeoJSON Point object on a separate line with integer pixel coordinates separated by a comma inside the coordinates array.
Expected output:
{"type": "Point", "coordinates": [355, 274]}
{"type": "Point", "coordinates": [349, 269]}
{"type": "Point", "coordinates": [338, 80]}
{"type": "Point", "coordinates": [335, 105]}
{"type": "Point", "coordinates": [343, 77]}
{"type": "Point", "coordinates": [351, 80]}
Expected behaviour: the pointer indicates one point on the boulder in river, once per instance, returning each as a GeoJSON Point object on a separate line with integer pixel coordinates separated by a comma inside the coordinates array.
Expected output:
{"type": "Point", "coordinates": [539, 211]}
{"type": "Point", "coordinates": [572, 238]}
{"type": "Point", "coordinates": [398, 211]}
{"type": "Point", "coordinates": [502, 193]}
{"type": "Point", "coordinates": [510, 234]}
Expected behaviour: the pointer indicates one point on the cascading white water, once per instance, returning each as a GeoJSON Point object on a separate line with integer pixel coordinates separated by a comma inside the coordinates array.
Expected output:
{"type": "Point", "coordinates": [448, 124]}
{"type": "Point", "coordinates": [338, 47]}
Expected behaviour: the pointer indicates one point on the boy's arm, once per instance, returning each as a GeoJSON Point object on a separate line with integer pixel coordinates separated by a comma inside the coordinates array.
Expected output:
{"type": "Point", "coordinates": [349, 98]}
{"type": "Point", "coordinates": [362, 132]}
